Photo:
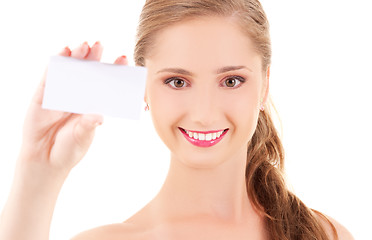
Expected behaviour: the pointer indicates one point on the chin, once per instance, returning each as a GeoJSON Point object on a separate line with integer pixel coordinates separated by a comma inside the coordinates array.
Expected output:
{"type": "Point", "coordinates": [200, 160]}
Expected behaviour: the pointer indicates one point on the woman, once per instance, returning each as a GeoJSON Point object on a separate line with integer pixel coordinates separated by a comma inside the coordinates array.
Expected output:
{"type": "Point", "coordinates": [207, 90]}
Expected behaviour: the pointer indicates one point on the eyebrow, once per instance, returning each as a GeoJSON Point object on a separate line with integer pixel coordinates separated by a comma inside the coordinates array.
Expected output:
{"type": "Point", "coordinates": [176, 70]}
{"type": "Point", "coordinates": [231, 68]}
{"type": "Point", "coordinates": [219, 71]}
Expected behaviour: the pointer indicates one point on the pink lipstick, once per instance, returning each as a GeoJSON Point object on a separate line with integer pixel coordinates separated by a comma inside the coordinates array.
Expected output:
{"type": "Point", "coordinates": [204, 138]}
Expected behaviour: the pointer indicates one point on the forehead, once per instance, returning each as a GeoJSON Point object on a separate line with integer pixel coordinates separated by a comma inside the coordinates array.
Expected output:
{"type": "Point", "coordinates": [207, 42]}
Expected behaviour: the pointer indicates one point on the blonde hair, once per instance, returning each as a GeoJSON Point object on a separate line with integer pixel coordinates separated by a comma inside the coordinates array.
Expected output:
{"type": "Point", "coordinates": [287, 217]}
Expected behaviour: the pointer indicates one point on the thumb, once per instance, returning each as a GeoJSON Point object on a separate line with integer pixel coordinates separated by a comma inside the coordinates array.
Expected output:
{"type": "Point", "coordinates": [85, 128]}
{"type": "Point", "coordinates": [73, 141]}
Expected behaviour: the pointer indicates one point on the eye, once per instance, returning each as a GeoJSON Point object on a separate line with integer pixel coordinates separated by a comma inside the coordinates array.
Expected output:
{"type": "Point", "coordinates": [233, 81]}
{"type": "Point", "coordinates": [175, 82]}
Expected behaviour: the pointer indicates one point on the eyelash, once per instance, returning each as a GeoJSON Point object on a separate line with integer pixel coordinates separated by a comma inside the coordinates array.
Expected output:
{"type": "Point", "coordinates": [239, 78]}
{"type": "Point", "coordinates": [171, 80]}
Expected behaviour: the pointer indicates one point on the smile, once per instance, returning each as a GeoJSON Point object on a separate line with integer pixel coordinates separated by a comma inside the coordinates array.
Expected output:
{"type": "Point", "coordinates": [203, 139]}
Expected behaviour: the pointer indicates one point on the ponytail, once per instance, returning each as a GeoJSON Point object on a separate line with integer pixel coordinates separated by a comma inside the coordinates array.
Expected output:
{"type": "Point", "coordinates": [286, 216]}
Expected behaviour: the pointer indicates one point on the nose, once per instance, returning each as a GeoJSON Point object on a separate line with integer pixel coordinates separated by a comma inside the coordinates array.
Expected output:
{"type": "Point", "coordinates": [204, 108]}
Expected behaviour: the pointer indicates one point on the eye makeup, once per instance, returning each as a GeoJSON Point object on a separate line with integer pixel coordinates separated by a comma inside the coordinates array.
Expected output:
{"type": "Point", "coordinates": [176, 83]}
{"type": "Point", "coordinates": [235, 80]}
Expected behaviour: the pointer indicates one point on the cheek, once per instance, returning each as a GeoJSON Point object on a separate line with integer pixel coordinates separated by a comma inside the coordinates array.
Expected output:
{"type": "Point", "coordinates": [243, 101]}
{"type": "Point", "coordinates": [242, 111]}
{"type": "Point", "coordinates": [165, 109]}
{"type": "Point", "coordinates": [166, 105]}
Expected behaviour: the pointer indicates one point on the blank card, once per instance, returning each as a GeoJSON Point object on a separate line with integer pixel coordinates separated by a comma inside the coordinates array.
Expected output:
{"type": "Point", "coordinates": [83, 86]}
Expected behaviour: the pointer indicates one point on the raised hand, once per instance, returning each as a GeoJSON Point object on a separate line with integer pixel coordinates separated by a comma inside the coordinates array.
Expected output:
{"type": "Point", "coordinates": [53, 143]}
{"type": "Point", "coordinates": [59, 140]}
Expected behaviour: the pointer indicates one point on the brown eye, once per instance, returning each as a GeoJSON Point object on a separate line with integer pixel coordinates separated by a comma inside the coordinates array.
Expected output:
{"type": "Point", "coordinates": [230, 82]}
{"type": "Point", "coordinates": [233, 82]}
{"type": "Point", "coordinates": [176, 83]}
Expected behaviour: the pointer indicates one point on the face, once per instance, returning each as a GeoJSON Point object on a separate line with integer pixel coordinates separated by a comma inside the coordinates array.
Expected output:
{"type": "Point", "coordinates": [204, 88]}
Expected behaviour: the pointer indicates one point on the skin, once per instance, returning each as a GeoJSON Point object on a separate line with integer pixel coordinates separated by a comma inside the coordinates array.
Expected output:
{"type": "Point", "coordinates": [53, 143]}
{"type": "Point", "coordinates": [207, 184]}
{"type": "Point", "coordinates": [204, 195]}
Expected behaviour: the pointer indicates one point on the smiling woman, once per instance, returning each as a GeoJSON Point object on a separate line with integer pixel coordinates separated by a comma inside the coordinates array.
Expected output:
{"type": "Point", "coordinates": [207, 90]}
{"type": "Point", "coordinates": [232, 37]}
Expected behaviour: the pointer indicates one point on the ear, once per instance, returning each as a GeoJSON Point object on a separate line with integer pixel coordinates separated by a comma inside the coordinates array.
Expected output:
{"type": "Point", "coordinates": [265, 88]}
{"type": "Point", "coordinates": [145, 99]}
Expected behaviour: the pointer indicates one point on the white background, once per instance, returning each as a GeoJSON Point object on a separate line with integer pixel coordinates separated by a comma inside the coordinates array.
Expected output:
{"type": "Point", "coordinates": [320, 83]}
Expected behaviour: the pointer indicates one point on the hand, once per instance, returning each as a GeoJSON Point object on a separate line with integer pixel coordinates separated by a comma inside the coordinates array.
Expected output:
{"type": "Point", "coordinates": [59, 140]}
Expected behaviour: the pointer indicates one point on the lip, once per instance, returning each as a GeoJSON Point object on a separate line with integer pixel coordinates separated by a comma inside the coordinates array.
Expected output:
{"type": "Point", "coordinates": [204, 143]}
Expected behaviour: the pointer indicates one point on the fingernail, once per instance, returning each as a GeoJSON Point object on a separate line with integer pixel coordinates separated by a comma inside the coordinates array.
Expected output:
{"type": "Point", "coordinates": [66, 49]}
{"type": "Point", "coordinates": [85, 49]}
{"type": "Point", "coordinates": [96, 43]}
{"type": "Point", "coordinates": [123, 56]}
{"type": "Point", "coordinates": [98, 122]}
{"type": "Point", "coordinates": [85, 45]}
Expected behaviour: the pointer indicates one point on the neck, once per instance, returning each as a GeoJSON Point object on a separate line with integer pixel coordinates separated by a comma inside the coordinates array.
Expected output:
{"type": "Point", "coordinates": [218, 192]}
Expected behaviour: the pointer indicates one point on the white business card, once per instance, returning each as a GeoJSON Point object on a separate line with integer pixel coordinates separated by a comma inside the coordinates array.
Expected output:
{"type": "Point", "coordinates": [91, 87]}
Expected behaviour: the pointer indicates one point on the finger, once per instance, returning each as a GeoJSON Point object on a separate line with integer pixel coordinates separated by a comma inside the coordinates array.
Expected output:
{"type": "Point", "coordinates": [91, 119]}
{"type": "Point", "coordinates": [38, 97]}
{"type": "Point", "coordinates": [84, 129]}
{"type": "Point", "coordinates": [66, 52]}
{"type": "Point", "coordinates": [122, 60]}
{"type": "Point", "coordinates": [73, 139]}
{"type": "Point", "coordinates": [95, 52]}
{"type": "Point", "coordinates": [81, 52]}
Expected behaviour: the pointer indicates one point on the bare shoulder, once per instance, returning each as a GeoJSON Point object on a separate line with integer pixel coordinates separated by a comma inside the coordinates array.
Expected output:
{"type": "Point", "coordinates": [342, 232]}
{"type": "Point", "coordinates": [120, 231]}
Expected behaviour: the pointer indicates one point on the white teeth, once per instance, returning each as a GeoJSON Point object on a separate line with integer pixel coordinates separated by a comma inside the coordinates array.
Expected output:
{"type": "Point", "coordinates": [201, 136]}
{"type": "Point", "coordinates": [214, 135]}
{"type": "Point", "coordinates": [208, 137]}
{"type": "Point", "coordinates": [196, 136]}
{"type": "Point", "coordinates": [204, 137]}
